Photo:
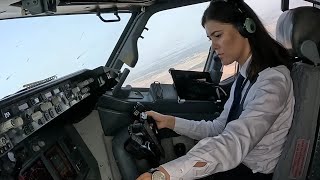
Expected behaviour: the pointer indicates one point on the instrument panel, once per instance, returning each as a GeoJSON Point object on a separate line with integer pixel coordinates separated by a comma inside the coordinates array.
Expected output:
{"type": "Point", "coordinates": [59, 157]}
{"type": "Point", "coordinates": [24, 113]}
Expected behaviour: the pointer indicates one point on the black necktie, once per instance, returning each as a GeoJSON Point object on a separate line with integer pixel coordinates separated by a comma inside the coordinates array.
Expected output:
{"type": "Point", "coordinates": [234, 110]}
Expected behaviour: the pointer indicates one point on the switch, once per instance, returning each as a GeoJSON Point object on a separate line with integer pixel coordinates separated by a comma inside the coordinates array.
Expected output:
{"type": "Point", "coordinates": [34, 101]}
{"type": "Point", "coordinates": [40, 122]}
{"type": "Point", "coordinates": [41, 143]}
{"type": "Point", "coordinates": [73, 102]}
{"type": "Point", "coordinates": [52, 113]}
{"type": "Point", "coordinates": [59, 109]}
{"type": "Point", "coordinates": [35, 148]}
{"type": "Point", "coordinates": [47, 116]}
{"type": "Point", "coordinates": [67, 86]}
{"type": "Point", "coordinates": [3, 141]}
{"type": "Point", "coordinates": [63, 98]}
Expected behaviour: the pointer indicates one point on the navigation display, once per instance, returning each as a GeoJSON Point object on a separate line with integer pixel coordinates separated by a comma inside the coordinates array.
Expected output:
{"type": "Point", "coordinates": [37, 171]}
{"type": "Point", "coordinates": [60, 163]}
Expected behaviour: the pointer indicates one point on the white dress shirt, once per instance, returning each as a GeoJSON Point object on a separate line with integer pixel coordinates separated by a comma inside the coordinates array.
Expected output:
{"type": "Point", "coordinates": [255, 139]}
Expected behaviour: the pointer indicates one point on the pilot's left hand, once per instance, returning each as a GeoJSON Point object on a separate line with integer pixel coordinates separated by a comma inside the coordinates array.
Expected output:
{"type": "Point", "coordinates": [145, 176]}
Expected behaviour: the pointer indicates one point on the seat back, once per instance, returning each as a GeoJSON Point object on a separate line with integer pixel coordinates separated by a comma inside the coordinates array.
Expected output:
{"type": "Point", "coordinates": [299, 31]}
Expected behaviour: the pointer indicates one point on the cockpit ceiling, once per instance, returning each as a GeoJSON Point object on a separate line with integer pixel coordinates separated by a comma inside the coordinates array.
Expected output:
{"type": "Point", "coordinates": [14, 9]}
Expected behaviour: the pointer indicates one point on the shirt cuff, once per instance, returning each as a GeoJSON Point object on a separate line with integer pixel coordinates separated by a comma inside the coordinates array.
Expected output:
{"type": "Point", "coordinates": [178, 168]}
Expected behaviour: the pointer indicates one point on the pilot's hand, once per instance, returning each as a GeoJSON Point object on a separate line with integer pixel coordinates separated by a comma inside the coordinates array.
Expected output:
{"type": "Point", "coordinates": [163, 121]}
{"type": "Point", "coordinates": [145, 176]}
{"type": "Point", "coordinates": [148, 176]}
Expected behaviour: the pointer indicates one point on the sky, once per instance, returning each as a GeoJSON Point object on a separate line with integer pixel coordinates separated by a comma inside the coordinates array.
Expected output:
{"type": "Point", "coordinates": [33, 49]}
{"type": "Point", "coordinates": [36, 48]}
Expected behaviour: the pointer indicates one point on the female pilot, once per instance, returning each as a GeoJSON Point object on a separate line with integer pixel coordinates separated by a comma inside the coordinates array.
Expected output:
{"type": "Point", "coordinates": [246, 140]}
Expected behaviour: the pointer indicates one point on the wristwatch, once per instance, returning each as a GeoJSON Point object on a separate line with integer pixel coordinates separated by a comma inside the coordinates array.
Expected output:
{"type": "Point", "coordinates": [157, 175]}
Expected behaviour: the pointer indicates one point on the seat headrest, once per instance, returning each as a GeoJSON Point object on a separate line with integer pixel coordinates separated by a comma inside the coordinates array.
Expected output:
{"type": "Point", "coordinates": [299, 31]}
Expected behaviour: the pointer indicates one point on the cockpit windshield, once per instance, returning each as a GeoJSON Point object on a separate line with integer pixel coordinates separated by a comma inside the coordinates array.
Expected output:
{"type": "Point", "coordinates": [34, 49]}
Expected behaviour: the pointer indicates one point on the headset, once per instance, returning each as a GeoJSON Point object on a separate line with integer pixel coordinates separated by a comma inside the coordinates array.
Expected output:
{"type": "Point", "coordinates": [247, 26]}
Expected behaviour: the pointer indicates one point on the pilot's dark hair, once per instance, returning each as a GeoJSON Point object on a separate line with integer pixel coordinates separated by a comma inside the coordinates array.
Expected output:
{"type": "Point", "coordinates": [266, 52]}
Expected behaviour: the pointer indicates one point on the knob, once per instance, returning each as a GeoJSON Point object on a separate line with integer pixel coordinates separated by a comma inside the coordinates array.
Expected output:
{"type": "Point", "coordinates": [46, 106]}
{"type": "Point", "coordinates": [6, 126]}
{"type": "Point", "coordinates": [56, 100]}
{"type": "Point", "coordinates": [41, 143]}
{"type": "Point", "coordinates": [85, 90]}
{"type": "Point", "coordinates": [36, 116]}
{"type": "Point", "coordinates": [11, 157]}
{"type": "Point", "coordinates": [35, 148]}
{"type": "Point", "coordinates": [75, 90]}
{"type": "Point", "coordinates": [17, 122]}
{"type": "Point", "coordinates": [3, 141]}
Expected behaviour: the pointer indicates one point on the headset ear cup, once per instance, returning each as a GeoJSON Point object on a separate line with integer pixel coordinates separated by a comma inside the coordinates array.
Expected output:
{"type": "Point", "coordinates": [247, 28]}
{"type": "Point", "coordinates": [250, 25]}
{"type": "Point", "coordinates": [242, 30]}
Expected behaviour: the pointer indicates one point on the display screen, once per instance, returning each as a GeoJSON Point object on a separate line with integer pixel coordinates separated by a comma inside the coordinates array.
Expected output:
{"type": "Point", "coordinates": [59, 161]}
{"type": "Point", "coordinates": [37, 171]}
{"type": "Point", "coordinates": [23, 107]}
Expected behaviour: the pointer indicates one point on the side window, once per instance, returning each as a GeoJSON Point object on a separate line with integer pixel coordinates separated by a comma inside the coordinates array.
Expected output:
{"type": "Point", "coordinates": [298, 3]}
{"type": "Point", "coordinates": [269, 11]}
{"type": "Point", "coordinates": [175, 39]}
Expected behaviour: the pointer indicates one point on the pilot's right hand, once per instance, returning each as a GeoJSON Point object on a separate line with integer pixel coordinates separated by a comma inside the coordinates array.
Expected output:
{"type": "Point", "coordinates": [163, 121]}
